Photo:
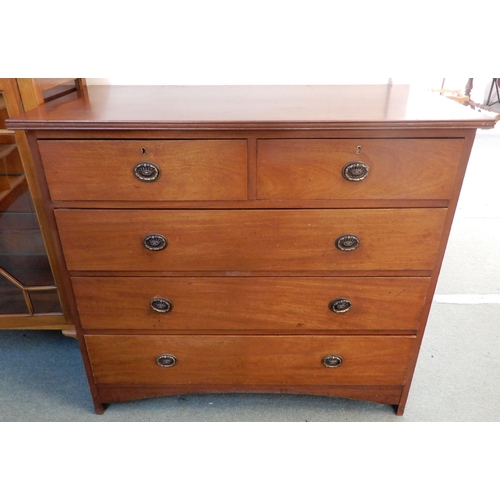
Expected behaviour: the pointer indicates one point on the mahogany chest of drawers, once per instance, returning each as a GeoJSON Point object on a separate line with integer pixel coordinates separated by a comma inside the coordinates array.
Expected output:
{"type": "Point", "coordinates": [251, 239]}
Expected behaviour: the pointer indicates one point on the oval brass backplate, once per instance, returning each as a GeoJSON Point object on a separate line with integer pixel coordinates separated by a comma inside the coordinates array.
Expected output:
{"type": "Point", "coordinates": [161, 305]}
{"type": "Point", "coordinates": [155, 242]}
{"type": "Point", "coordinates": [333, 361]}
{"type": "Point", "coordinates": [340, 305]}
{"type": "Point", "coordinates": [355, 171]}
{"type": "Point", "coordinates": [347, 242]}
{"type": "Point", "coordinates": [166, 360]}
{"type": "Point", "coordinates": [147, 171]}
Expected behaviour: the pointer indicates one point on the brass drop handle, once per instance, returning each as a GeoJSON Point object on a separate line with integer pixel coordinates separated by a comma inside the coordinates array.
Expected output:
{"type": "Point", "coordinates": [340, 305]}
{"type": "Point", "coordinates": [147, 171]}
{"type": "Point", "coordinates": [333, 361]}
{"type": "Point", "coordinates": [347, 242]}
{"type": "Point", "coordinates": [161, 305]}
{"type": "Point", "coordinates": [155, 242]}
{"type": "Point", "coordinates": [355, 171]}
{"type": "Point", "coordinates": [166, 360]}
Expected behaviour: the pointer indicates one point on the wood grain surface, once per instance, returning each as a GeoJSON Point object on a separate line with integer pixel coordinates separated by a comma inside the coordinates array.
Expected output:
{"type": "Point", "coordinates": [399, 168]}
{"type": "Point", "coordinates": [247, 360]}
{"type": "Point", "coordinates": [103, 170]}
{"type": "Point", "coordinates": [250, 303]}
{"type": "Point", "coordinates": [250, 240]}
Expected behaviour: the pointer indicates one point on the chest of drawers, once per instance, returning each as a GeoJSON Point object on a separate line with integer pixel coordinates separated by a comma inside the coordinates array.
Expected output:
{"type": "Point", "coordinates": [250, 239]}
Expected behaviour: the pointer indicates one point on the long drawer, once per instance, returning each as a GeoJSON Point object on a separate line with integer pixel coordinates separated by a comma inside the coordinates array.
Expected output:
{"type": "Point", "coordinates": [106, 170]}
{"type": "Point", "coordinates": [250, 240]}
{"type": "Point", "coordinates": [247, 360]}
{"type": "Point", "coordinates": [397, 168]}
{"type": "Point", "coordinates": [250, 303]}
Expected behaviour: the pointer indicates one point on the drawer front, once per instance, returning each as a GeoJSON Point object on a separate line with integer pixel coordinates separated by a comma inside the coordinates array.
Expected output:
{"type": "Point", "coordinates": [247, 360]}
{"type": "Point", "coordinates": [250, 240]}
{"type": "Point", "coordinates": [104, 170]}
{"type": "Point", "coordinates": [250, 303]}
{"type": "Point", "coordinates": [397, 168]}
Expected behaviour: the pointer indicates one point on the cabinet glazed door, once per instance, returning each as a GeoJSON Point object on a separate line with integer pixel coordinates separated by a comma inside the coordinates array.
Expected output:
{"type": "Point", "coordinates": [29, 296]}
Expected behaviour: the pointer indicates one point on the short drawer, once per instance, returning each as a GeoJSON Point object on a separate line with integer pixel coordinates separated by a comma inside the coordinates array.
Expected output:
{"type": "Point", "coordinates": [106, 170]}
{"type": "Point", "coordinates": [247, 360]}
{"type": "Point", "coordinates": [250, 303]}
{"type": "Point", "coordinates": [397, 168]}
{"type": "Point", "coordinates": [250, 240]}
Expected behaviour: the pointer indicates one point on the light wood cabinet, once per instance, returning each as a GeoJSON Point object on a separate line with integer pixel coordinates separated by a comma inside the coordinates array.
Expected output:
{"type": "Point", "coordinates": [250, 239]}
{"type": "Point", "coordinates": [30, 283]}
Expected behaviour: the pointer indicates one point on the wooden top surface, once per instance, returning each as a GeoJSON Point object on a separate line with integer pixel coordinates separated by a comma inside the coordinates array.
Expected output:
{"type": "Point", "coordinates": [227, 107]}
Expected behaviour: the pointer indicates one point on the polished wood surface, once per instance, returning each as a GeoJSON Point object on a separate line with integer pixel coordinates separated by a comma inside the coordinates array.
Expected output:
{"type": "Point", "coordinates": [399, 169]}
{"type": "Point", "coordinates": [247, 360]}
{"type": "Point", "coordinates": [251, 240]}
{"type": "Point", "coordinates": [190, 170]}
{"type": "Point", "coordinates": [246, 107]}
{"type": "Point", "coordinates": [251, 303]}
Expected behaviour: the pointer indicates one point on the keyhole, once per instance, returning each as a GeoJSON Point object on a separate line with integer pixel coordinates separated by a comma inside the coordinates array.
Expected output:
{"type": "Point", "coordinates": [358, 150]}
{"type": "Point", "coordinates": [143, 151]}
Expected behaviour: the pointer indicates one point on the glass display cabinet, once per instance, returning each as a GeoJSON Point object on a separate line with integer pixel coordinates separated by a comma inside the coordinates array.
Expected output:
{"type": "Point", "coordinates": [30, 291]}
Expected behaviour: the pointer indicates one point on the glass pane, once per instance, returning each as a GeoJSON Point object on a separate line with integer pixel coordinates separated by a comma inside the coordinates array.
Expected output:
{"type": "Point", "coordinates": [22, 251]}
{"type": "Point", "coordinates": [45, 301]}
{"type": "Point", "coordinates": [12, 301]}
